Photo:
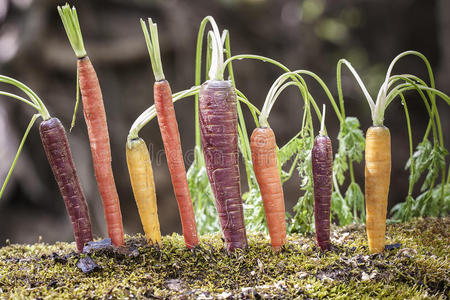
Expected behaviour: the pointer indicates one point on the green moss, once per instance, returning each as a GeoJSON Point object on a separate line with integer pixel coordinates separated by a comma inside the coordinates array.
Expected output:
{"type": "Point", "coordinates": [418, 269]}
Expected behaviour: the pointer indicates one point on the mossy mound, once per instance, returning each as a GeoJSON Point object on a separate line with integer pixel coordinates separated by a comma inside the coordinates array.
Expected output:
{"type": "Point", "coordinates": [419, 267]}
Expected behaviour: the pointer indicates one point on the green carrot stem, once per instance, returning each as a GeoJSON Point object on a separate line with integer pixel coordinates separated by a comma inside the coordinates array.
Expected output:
{"type": "Point", "coordinates": [198, 70]}
{"type": "Point", "coordinates": [408, 87]}
{"type": "Point", "coordinates": [22, 142]}
{"type": "Point", "coordinates": [292, 168]}
{"type": "Point", "coordinates": [77, 101]}
{"type": "Point", "coordinates": [352, 179]}
{"type": "Point", "coordinates": [208, 55]}
{"type": "Point", "coordinates": [427, 131]}
{"type": "Point", "coordinates": [150, 113]}
{"type": "Point", "coordinates": [323, 130]}
{"type": "Point", "coordinates": [360, 83]}
{"type": "Point", "coordinates": [20, 99]}
{"type": "Point", "coordinates": [152, 42]}
{"type": "Point", "coordinates": [34, 100]}
{"type": "Point", "coordinates": [411, 148]}
{"type": "Point", "coordinates": [245, 143]}
{"type": "Point", "coordinates": [69, 18]}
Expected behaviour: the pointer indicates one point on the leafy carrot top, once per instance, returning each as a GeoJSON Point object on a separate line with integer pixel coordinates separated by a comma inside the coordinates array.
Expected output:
{"type": "Point", "coordinates": [69, 18]}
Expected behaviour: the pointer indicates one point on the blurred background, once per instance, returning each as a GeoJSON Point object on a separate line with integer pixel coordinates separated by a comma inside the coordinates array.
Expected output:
{"type": "Point", "coordinates": [306, 34]}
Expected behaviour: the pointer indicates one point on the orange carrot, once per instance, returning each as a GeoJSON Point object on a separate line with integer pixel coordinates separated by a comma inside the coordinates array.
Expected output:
{"type": "Point", "coordinates": [171, 138]}
{"type": "Point", "coordinates": [378, 174]}
{"type": "Point", "coordinates": [95, 117]}
{"type": "Point", "coordinates": [264, 157]}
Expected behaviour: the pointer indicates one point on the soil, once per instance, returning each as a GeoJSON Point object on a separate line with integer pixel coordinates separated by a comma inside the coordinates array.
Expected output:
{"type": "Point", "coordinates": [414, 265]}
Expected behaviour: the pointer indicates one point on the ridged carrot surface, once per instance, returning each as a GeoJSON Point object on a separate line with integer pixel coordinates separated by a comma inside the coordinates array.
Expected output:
{"type": "Point", "coordinates": [141, 176]}
{"type": "Point", "coordinates": [58, 153]}
{"type": "Point", "coordinates": [322, 168]}
{"type": "Point", "coordinates": [264, 157]}
{"type": "Point", "coordinates": [378, 174]}
{"type": "Point", "coordinates": [172, 145]}
{"type": "Point", "coordinates": [218, 128]}
{"type": "Point", "coordinates": [95, 117]}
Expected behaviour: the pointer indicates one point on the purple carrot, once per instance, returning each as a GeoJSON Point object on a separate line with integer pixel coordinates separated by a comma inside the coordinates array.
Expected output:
{"type": "Point", "coordinates": [218, 127]}
{"type": "Point", "coordinates": [322, 168]}
{"type": "Point", "coordinates": [56, 147]}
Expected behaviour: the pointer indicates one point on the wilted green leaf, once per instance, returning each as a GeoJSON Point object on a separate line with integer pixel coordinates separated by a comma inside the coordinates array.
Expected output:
{"type": "Point", "coordinates": [288, 150]}
{"type": "Point", "coordinates": [202, 195]}
{"type": "Point", "coordinates": [255, 220]}
{"type": "Point", "coordinates": [303, 220]}
{"type": "Point", "coordinates": [340, 210]}
{"type": "Point", "coordinates": [351, 146]}
{"type": "Point", "coordinates": [355, 198]}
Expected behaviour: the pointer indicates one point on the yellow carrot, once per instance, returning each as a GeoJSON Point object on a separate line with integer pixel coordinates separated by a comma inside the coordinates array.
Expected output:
{"type": "Point", "coordinates": [141, 175]}
{"type": "Point", "coordinates": [378, 175]}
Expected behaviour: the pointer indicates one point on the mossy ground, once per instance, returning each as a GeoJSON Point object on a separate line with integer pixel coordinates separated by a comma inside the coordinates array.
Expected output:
{"type": "Point", "coordinates": [419, 268]}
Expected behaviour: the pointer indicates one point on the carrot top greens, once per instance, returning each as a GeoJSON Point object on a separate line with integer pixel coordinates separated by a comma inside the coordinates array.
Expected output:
{"type": "Point", "coordinates": [348, 206]}
{"type": "Point", "coordinates": [33, 101]}
{"type": "Point", "coordinates": [323, 130]}
{"type": "Point", "coordinates": [69, 18]}
{"type": "Point", "coordinates": [152, 42]}
{"type": "Point", "coordinates": [427, 158]}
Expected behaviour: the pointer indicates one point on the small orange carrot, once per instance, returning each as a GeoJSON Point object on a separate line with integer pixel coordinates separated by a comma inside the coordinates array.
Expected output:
{"type": "Point", "coordinates": [95, 117]}
{"type": "Point", "coordinates": [264, 157]}
{"type": "Point", "coordinates": [378, 175]}
{"type": "Point", "coordinates": [171, 138]}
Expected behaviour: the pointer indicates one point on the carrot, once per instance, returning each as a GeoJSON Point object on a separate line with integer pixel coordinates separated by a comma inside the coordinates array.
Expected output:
{"type": "Point", "coordinates": [95, 117]}
{"type": "Point", "coordinates": [171, 137]}
{"type": "Point", "coordinates": [264, 157]}
{"type": "Point", "coordinates": [378, 174]}
{"type": "Point", "coordinates": [218, 128]}
{"type": "Point", "coordinates": [141, 175]}
{"type": "Point", "coordinates": [322, 168]}
{"type": "Point", "coordinates": [377, 157]}
{"type": "Point", "coordinates": [56, 146]}
{"type": "Point", "coordinates": [217, 112]}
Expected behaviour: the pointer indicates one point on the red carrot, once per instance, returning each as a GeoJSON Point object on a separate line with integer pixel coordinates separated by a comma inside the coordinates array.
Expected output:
{"type": "Point", "coordinates": [171, 138]}
{"type": "Point", "coordinates": [218, 126]}
{"type": "Point", "coordinates": [265, 165]}
{"type": "Point", "coordinates": [95, 117]}
{"type": "Point", "coordinates": [322, 168]}
{"type": "Point", "coordinates": [58, 153]}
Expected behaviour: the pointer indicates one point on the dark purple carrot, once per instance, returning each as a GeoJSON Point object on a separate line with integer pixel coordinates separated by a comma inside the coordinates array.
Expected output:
{"type": "Point", "coordinates": [58, 153]}
{"type": "Point", "coordinates": [56, 147]}
{"type": "Point", "coordinates": [322, 168]}
{"type": "Point", "coordinates": [218, 127]}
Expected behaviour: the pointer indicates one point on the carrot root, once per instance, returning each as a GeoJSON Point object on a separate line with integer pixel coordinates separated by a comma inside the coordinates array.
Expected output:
{"type": "Point", "coordinates": [142, 182]}
{"type": "Point", "coordinates": [58, 153]}
{"type": "Point", "coordinates": [377, 178]}
{"type": "Point", "coordinates": [95, 117]}
{"type": "Point", "coordinates": [172, 145]}
{"type": "Point", "coordinates": [322, 166]}
{"type": "Point", "coordinates": [264, 157]}
{"type": "Point", "coordinates": [218, 128]}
